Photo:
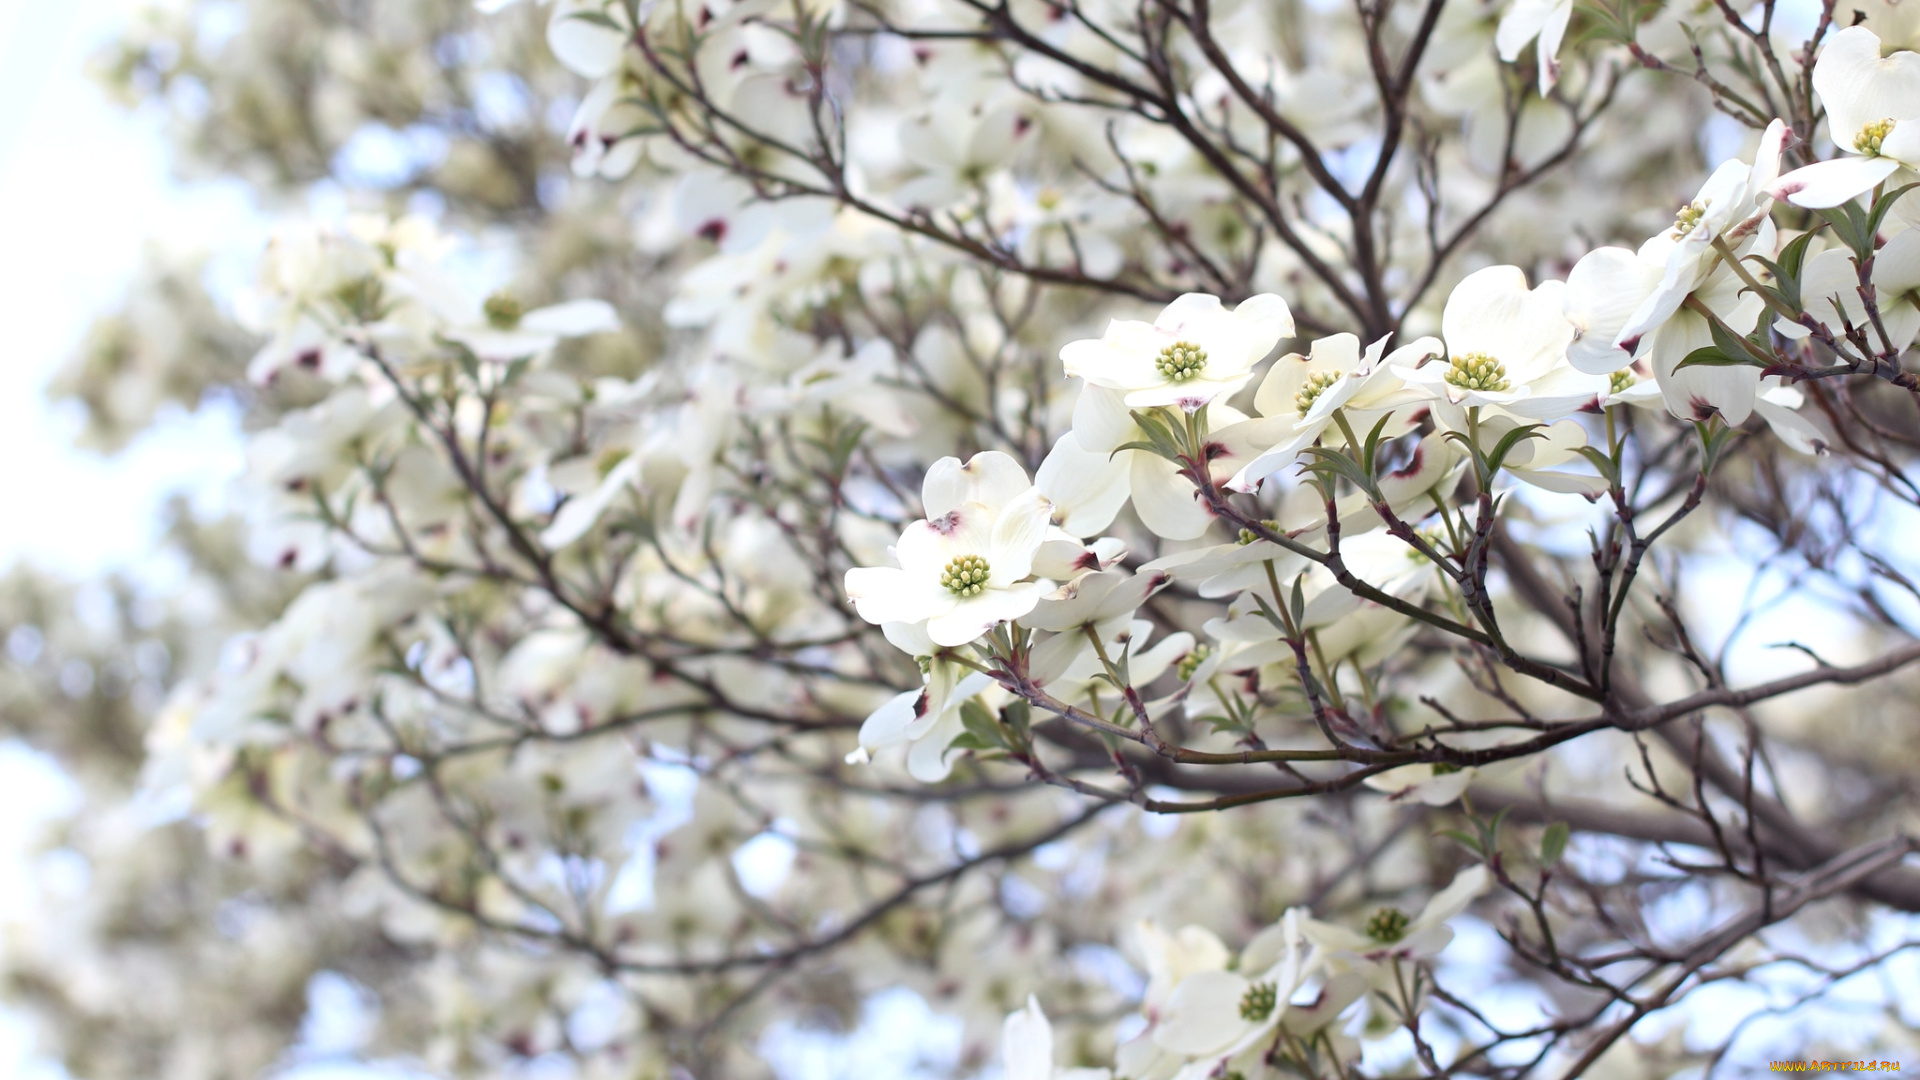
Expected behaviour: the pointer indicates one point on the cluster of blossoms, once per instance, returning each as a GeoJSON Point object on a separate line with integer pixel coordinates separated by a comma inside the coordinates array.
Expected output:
{"type": "Point", "coordinates": [829, 606]}
{"type": "Point", "coordinates": [1282, 1001]}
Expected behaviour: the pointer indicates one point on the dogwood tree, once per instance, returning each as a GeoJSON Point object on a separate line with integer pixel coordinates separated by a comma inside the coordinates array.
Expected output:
{"type": "Point", "coordinates": [1202, 539]}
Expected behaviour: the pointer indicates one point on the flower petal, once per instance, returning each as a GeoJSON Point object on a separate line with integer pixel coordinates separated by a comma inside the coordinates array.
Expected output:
{"type": "Point", "coordinates": [1830, 183]}
{"type": "Point", "coordinates": [1086, 488]}
{"type": "Point", "coordinates": [883, 594]}
{"type": "Point", "coordinates": [1202, 1015]}
{"type": "Point", "coordinates": [1167, 503]}
{"type": "Point", "coordinates": [1603, 289]}
{"type": "Point", "coordinates": [1027, 1043]}
{"type": "Point", "coordinates": [575, 318]}
{"type": "Point", "coordinates": [1017, 535]}
{"type": "Point", "coordinates": [978, 614]}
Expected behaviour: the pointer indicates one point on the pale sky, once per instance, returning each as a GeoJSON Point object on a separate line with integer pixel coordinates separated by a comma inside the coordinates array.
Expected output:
{"type": "Point", "coordinates": [84, 187]}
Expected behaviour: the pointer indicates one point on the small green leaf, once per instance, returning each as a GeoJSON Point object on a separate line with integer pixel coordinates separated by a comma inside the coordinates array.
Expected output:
{"type": "Point", "coordinates": [1510, 440]}
{"type": "Point", "coordinates": [981, 725]}
{"type": "Point", "coordinates": [1882, 206]}
{"type": "Point", "coordinates": [1712, 356]}
{"type": "Point", "coordinates": [1553, 843]}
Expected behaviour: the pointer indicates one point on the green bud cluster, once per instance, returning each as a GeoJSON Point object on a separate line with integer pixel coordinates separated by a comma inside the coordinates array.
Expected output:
{"type": "Point", "coordinates": [965, 576]}
{"type": "Point", "coordinates": [1181, 361]}
{"type": "Point", "coordinates": [1872, 136]}
{"type": "Point", "coordinates": [1316, 384]}
{"type": "Point", "coordinates": [1259, 1001]}
{"type": "Point", "coordinates": [1620, 381]}
{"type": "Point", "coordinates": [1191, 662]}
{"type": "Point", "coordinates": [1248, 536]}
{"type": "Point", "coordinates": [1478, 371]}
{"type": "Point", "coordinates": [1687, 217]}
{"type": "Point", "coordinates": [1388, 925]}
{"type": "Point", "coordinates": [503, 311]}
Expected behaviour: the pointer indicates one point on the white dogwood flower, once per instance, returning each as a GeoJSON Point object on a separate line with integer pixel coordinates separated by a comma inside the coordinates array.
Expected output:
{"type": "Point", "coordinates": [1214, 1015]}
{"type": "Point", "coordinates": [1300, 394]}
{"type": "Point", "coordinates": [1390, 935]}
{"type": "Point", "coordinates": [1608, 285]}
{"type": "Point", "coordinates": [1194, 352]}
{"type": "Point", "coordinates": [1872, 106]}
{"type": "Point", "coordinates": [963, 568]}
{"type": "Point", "coordinates": [1506, 347]}
{"type": "Point", "coordinates": [1730, 208]}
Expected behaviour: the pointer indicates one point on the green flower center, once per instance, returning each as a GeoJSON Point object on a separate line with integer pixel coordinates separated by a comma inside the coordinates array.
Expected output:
{"type": "Point", "coordinates": [1311, 390]}
{"type": "Point", "coordinates": [1191, 662]}
{"type": "Point", "coordinates": [1445, 768]}
{"type": "Point", "coordinates": [1688, 217]}
{"type": "Point", "coordinates": [1181, 361]}
{"type": "Point", "coordinates": [965, 576]}
{"type": "Point", "coordinates": [1620, 381]}
{"type": "Point", "coordinates": [1258, 1002]}
{"type": "Point", "coordinates": [1387, 926]}
{"type": "Point", "coordinates": [1871, 136]}
{"type": "Point", "coordinates": [503, 311]}
{"type": "Point", "coordinates": [1477, 371]}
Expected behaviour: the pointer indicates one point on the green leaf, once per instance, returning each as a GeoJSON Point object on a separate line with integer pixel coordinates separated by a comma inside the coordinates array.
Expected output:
{"type": "Point", "coordinates": [1601, 463]}
{"type": "Point", "coordinates": [1266, 611]}
{"type": "Point", "coordinates": [1882, 206]}
{"type": "Point", "coordinates": [1018, 716]}
{"type": "Point", "coordinates": [1713, 356]}
{"type": "Point", "coordinates": [597, 18]}
{"type": "Point", "coordinates": [1370, 459]}
{"type": "Point", "coordinates": [1510, 440]}
{"type": "Point", "coordinates": [1553, 843]}
{"type": "Point", "coordinates": [1470, 843]}
{"type": "Point", "coordinates": [1851, 225]}
{"type": "Point", "coordinates": [980, 724]}
{"type": "Point", "coordinates": [1345, 466]}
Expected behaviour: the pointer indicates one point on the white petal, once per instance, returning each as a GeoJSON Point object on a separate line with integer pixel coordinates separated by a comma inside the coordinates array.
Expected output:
{"type": "Point", "coordinates": [1466, 886]}
{"type": "Point", "coordinates": [888, 724]}
{"type": "Point", "coordinates": [944, 488]}
{"type": "Point", "coordinates": [587, 48]}
{"type": "Point", "coordinates": [978, 614]}
{"type": "Point", "coordinates": [1188, 310]}
{"type": "Point", "coordinates": [1798, 432]}
{"type": "Point", "coordinates": [1086, 488]}
{"type": "Point", "coordinates": [883, 594]}
{"type": "Point", "coordinates": [575, 318]}
{"type": "Point", "coordinates": [1027, 1042]}
{"type": "Point", "coordinates": [1017, 535]}
{"type": "Point", "coordinates": [926, 547]}
{"type": "Point", "coordinates": [928, 759]}
{"type": "Point", "coordinates": [1603, 290]}
{"type": "Point", "coordinates": [993, 478]}
{"type": "Point", "coordinates": [1202, 1015]}
{"type": "Point", "coordinates": [1167, 503]}
{"type": "Point", "coordinates": [1697, 392]}
{"type": "Point", "coordinates": [1100, 419]}
{"type": "Point", "coordinates": [1104, 362]}
{"type": "Point", "coordinates": [1830, 183]}
{"type": "Point", "coordinates": [1051, 658]}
